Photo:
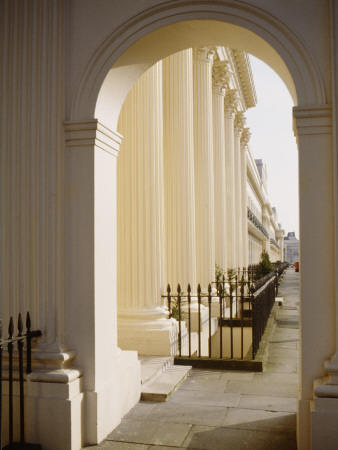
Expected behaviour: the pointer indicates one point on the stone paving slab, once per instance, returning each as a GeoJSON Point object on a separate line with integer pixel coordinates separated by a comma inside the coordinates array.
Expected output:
{"type": "Point", "coordinates": [188, 413]}
{"type": "Point", "coordinates": [249, 419]}
{"type": "Point", "coordinates": [268, 403]}
{"type": "Point", "coordinates": [260, 387]}
{"type": "Point", "coordinates": [148, 432]}
{"type": "Point", "coordinates": [206, 398]}
{"type": "Point", "coordinates": [207, 438]}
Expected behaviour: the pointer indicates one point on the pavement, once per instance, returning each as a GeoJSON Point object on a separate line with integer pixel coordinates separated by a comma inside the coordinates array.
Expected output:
{"type": "Point", "coordinates": [220, 410]}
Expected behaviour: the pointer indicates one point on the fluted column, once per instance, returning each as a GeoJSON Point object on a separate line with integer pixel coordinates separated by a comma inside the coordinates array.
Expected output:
{"type": "Point", "coordinates": [244, 199]}
{"type": "Point", "coordinates": [231, 100]}
{"type": "Point", "coordinates": [179, 191]}
{"type": "Point", "coordinates": [221, 75]}
{"type": "Point", "coordinates": [140, 241]}
{"type": "Point", "coordinates": [204, 166]}
{"type": "Point", "coordinates": [239, 125]}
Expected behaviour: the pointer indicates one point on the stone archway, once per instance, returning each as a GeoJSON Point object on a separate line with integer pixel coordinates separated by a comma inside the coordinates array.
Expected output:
{"type": "Point", "coordinates": [126, 54]}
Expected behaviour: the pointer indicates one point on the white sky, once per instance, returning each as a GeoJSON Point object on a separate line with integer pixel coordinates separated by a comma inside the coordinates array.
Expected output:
{"type": "Point", "coordinates": [272, 140]}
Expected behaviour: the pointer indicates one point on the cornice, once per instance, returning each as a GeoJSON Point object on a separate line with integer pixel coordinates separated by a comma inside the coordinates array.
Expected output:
{"type": "Point", "coordinates": [246, 78]}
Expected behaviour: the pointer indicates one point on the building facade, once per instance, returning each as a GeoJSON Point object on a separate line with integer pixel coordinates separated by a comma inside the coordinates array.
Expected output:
{"type": "Point", "coordinates": [66, 69]}
{"type": "Point", "coordinates": [291, 248]}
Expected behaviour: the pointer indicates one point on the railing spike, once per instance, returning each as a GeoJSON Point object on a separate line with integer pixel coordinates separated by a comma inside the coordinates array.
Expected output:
{"type": "Point", "coordinates": [199, 289]}
{"type": "Point", "coordinates": [178, 288]}
{"type": "Point", "coordinates": [10, 328]}
{"type": "Point", "coordinates": [20, 324]}
{"type": "Point", "coordinates": [189, 288]}
{"type": "Point", "coordinates": [209, 288]}
{"type": "Point", "coordinates": [168, 288]}
{"type": "Point", "coordinates": [28, 321]}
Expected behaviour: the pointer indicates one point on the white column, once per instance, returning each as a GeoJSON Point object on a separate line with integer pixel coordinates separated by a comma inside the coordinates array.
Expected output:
{"type": "Point", "coordinates": [230, 103]}
{"type": "Point", "coordinates": [239, 125]}
{"type": "Point", "coordinates": [221, 75]}
{"type": "Point", "coordinates": [140, 221]}
{"type": "Point", "coordinates": [179, 192]}
{"type": "Point", "coordinates": [204, 166]}
{"type": "Point", "coordinates": [244, 200]}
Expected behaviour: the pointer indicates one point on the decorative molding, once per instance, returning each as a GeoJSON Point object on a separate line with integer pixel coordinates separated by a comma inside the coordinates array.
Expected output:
{"type": "Point", "coordinates": [312, 120]}
{"type": "Point", "coordinates": [92, 132]}
{"type": "Point", "coordinates": [221, 75]}
{"type": "Point", "coordinates": [246, 135]}
{"type": "Point", "coordinates": [245, 75]}
{"type": "Point", "coordinates": [239, 122]}
{"type": "Point", "coordinates": [205, 54]}
{"type": "Point", "coordinates": [231, 101]}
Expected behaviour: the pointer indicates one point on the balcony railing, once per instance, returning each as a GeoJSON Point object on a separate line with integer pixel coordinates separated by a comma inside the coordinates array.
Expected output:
{"type": "Point", "coordinates": [257, 223]}
{"type": "Point", "coordinates": [272, 241]}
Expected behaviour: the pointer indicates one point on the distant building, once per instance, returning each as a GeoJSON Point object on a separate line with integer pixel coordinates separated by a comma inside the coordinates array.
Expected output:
{"type": "Point", "coordinates": [291, 248]}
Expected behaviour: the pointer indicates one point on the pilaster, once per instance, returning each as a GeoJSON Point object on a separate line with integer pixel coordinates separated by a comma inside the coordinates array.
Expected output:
{"type": "Point", "coordinates": [318, 327]}
{"type": "Point", "coordinates": [204, 165]}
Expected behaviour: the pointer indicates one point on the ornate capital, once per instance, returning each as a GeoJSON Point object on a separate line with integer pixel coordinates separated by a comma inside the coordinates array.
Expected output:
{"type": "Point", "coordinates": [246, 135]}
{"type": "Point", "coordinates": [221, 75]}
{"type": "Point", "coordinates": [205, 54]}
{"type": "Point", "coordinates": [231, 103]}
{"type": "Point", "coordinates": [239, 122]}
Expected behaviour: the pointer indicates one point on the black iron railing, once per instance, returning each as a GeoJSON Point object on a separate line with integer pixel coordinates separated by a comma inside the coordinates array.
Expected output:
{"type": "Point", "coordinates": [236, 304]}
{"type": "Point", "coordinates": [9, 344]}
{"type": "Point", "coordinates": [258, 224]}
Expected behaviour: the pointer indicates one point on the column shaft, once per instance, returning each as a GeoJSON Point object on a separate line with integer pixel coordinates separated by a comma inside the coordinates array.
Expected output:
{"type": "Point", "coordinates": [179, 191]}
{"type": "Point", "coordinates": [204, 166]}
{"type": "Point", "coordinates": [220, 178]}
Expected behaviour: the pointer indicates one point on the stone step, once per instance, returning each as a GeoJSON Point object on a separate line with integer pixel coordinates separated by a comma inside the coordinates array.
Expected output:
{"type": "Point", "coordinates": [153, 366]}
{"type": "Point", "coordinates": [165, 384]}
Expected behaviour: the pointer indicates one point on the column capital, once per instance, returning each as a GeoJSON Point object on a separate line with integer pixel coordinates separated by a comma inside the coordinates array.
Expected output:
{"type": "Point", "coordinates": [246, 135]}
{"type": "Point", "coordinates": [239, 122]}
{"type": "Point", "coordinates": [205, 54]}
{"type": "Point", "coordinates": [221, 74]}
{"type": "Point", "coordinates": [231, 102]}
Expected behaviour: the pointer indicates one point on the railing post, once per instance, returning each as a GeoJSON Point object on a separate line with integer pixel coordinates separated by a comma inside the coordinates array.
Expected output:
{"type": "Point", "coordinates": [169, 300]}
{"type": "Point", "coordinates": [242, 313]}
{"type": "Point", "coordinates": [189, 318]}
{"type": "Point", "coordinates": [10, 378]}
{"type": "Point", "coordinates": [199, 318]}
{"type": "Point", "coordinates": [22, 394]}
{"type": "Point", "coordinates": [231, 314]}
{"type": "Point", "coordinates": [209, 305]}
{"type": "Point", "coordinates": [1, 348]}
{"type": "Point", "coordinates": [220, 294]}
{"type": "Point", "coordinates": [179, 320]}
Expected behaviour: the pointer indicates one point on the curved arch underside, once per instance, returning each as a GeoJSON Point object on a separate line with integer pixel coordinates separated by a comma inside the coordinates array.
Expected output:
{"type": "Point", "coordinates": [141, 42]}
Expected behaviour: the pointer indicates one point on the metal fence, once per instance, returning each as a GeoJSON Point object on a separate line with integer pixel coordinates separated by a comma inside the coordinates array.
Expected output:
{"type": "Point", "coordinates": [12, 353]}
{"type": "Point", "coordinates": [238, 307]}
